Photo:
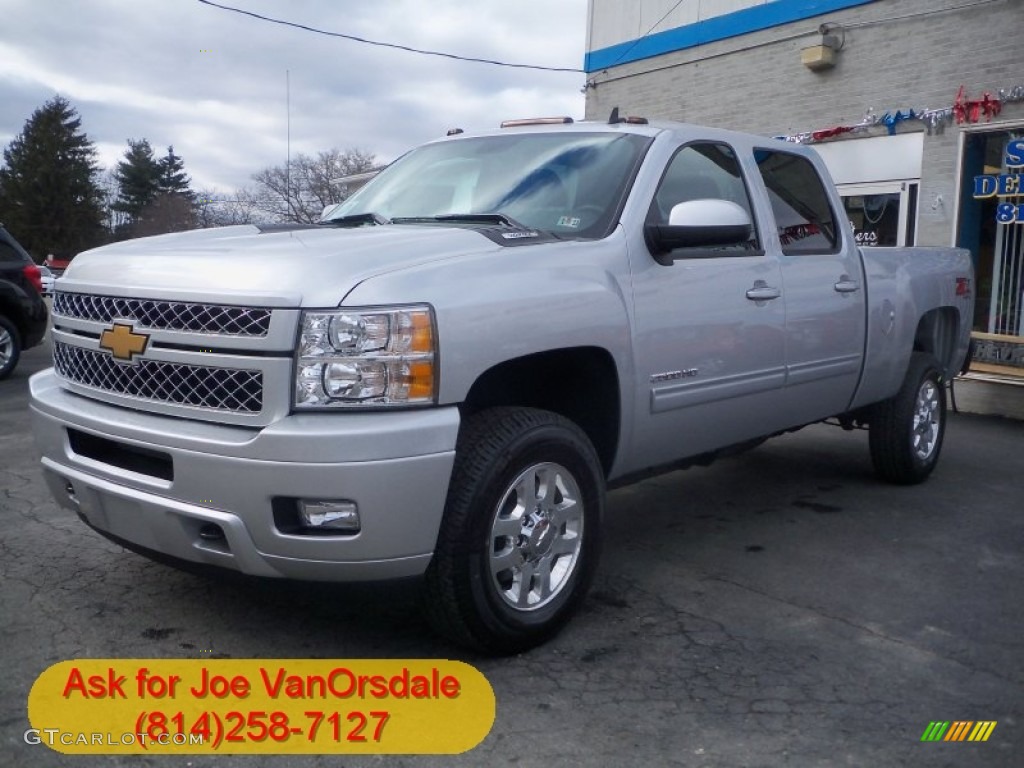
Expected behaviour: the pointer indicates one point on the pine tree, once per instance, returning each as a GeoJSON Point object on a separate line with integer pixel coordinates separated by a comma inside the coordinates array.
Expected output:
{"type": "Point", "coordinates": [138, 179]}
{"type": "Point", "coordinates": [173, 179]}
{"type": "Point", "coordinates": [49, 196]}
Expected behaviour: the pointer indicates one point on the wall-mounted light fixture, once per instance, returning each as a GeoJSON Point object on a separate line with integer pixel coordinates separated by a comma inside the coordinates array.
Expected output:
{"type": "Point", "coordinates": [823, 55]}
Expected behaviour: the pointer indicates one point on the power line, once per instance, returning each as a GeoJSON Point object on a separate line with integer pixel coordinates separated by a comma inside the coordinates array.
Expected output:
{"type": "Point", "coordinates": [396, 46]}
{"type": "Point", "coordinates": [644, 36]}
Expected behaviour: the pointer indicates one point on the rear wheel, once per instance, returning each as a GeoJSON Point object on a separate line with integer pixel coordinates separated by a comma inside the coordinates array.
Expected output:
{"type": "Point", "coordinates": [906, 431]}
{"type": "Point", "coordinates": [10, 347]}
{"type": "Point", "coordinates": [521, 530]}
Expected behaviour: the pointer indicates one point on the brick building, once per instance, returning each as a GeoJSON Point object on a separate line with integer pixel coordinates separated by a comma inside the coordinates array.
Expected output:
{"type": "Point", "coordinates": [908, 102]}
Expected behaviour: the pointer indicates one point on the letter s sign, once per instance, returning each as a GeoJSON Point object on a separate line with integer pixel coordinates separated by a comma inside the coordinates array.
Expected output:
{"type": "Point", "coordinates": [1015, 153]}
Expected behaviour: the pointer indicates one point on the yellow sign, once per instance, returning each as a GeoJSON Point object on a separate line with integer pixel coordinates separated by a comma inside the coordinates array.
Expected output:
{"type": "Point", "coordinates": [260, 706]}
{"type": "Point", "coordinates": [122, 342]}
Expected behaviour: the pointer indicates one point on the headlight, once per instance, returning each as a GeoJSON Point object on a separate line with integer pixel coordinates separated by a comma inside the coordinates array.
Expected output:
{"type": "Point", "coordinates": [372, 357]}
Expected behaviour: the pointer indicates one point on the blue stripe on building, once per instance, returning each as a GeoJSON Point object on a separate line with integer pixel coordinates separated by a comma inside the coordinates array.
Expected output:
{"type": "Point", "coordinates": [742, 22]}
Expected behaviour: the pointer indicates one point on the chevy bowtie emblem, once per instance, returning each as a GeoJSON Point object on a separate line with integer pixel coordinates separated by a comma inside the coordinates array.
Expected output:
{"type": "Point", "coordinates": [122, 342]}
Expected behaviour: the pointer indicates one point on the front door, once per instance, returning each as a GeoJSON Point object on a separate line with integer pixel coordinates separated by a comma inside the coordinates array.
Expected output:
{"type": "Point", "coordinates": [709, 326]}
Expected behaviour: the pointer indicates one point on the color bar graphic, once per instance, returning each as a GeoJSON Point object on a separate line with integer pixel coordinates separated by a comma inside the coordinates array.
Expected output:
{"type": "Point", "coordinates": [982, 730]}
{"type": "Point", "coordinates": [958, 730]}
{"type": "Point", "coordinates": [935, 731]}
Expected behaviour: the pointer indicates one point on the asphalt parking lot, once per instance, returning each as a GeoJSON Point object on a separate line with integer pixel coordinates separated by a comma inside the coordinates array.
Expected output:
{"type": "Point", "coordinates": [781, 608]}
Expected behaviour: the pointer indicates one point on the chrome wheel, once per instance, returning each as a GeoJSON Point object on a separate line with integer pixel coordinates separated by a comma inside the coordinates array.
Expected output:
{"type": "Point", "coordinates": [535, 537]}
{"type": "Point", "coordinates": [925, 429]}
{"type": "Point", "coordinates": [511, 563]}
{"type": "Point", "coordinates": [907, 429]}
{"type": "Point", "coordinates": [6, 347]}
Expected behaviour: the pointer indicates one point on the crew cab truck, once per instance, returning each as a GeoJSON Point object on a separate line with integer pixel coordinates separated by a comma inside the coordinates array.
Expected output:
{"type": "Point", "coordinates": [442, 379]}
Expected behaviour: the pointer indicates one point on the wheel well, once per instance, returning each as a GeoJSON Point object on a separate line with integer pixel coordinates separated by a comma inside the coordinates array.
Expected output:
{"type": "Point", "coordinates": [937, 334]}
{"type": "Point", "coordinates": [580, 383]}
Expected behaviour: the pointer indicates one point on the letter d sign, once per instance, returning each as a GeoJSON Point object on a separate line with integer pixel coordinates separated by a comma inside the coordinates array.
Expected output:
{"type": "Point", "coordinates": [985, 186]}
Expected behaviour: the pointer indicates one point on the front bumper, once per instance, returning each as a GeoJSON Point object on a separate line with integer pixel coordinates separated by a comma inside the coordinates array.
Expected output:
{"type": "Point", "coordinates": [394, 465]}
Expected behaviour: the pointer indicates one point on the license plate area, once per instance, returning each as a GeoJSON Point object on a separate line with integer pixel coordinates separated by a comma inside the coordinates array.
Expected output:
{"type": "Point", "coordinates": [143, 461]}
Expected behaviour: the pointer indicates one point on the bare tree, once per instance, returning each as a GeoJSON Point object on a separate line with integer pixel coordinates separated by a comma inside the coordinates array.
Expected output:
{"type": "Point", "coordinates": [301, 194]}
{"type": "Point", "coordinates": [168, 212]}
{"type": "Point", "coordinates": [243, 206]}
{"type": "Point", "coordinates": [113, 220]}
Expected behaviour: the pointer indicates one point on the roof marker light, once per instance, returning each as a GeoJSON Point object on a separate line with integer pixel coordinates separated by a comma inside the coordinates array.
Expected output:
{"type": "Point", "coordinates": [537, 121]}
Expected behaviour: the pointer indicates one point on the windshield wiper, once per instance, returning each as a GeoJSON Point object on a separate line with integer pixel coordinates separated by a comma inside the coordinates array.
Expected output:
{"type": "Point", "coordinates": [357, 220]}
{"type": "Point", "coordinates": [465, 218]}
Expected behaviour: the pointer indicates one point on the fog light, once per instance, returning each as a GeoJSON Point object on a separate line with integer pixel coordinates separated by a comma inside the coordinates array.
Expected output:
{"type": "Point", "coordinates": [341, 516]}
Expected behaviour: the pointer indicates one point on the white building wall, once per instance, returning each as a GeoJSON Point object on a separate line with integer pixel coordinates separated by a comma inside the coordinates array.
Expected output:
{"type": "Point", "coordinates": [757, 83]}
{"type": "Point", "coordinates": [615, 21]}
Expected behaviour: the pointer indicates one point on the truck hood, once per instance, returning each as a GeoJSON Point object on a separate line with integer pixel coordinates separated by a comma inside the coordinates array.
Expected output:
{"type": "Point", "coordinates": [241, 264]}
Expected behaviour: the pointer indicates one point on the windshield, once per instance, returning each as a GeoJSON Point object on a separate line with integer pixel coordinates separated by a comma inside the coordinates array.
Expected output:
{"type": "Point", "coordinates": [569, 184]}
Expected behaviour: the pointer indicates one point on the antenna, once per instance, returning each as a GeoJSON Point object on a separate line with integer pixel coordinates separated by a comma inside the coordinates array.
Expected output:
{"type": "Point", "coordinates": [288, 141]}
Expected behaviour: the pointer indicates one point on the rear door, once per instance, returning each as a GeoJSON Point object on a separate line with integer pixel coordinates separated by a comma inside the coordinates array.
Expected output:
{"type": "Point", "coordinates": [824, 286]}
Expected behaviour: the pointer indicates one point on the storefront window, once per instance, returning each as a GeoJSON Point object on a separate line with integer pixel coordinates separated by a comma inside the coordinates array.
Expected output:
{"type": "Point", "coordinates": [997, 241]}
{"type": "Point", "coordinates": [882, 213]}
{"type": "Point", "coordinates": [874, 218]}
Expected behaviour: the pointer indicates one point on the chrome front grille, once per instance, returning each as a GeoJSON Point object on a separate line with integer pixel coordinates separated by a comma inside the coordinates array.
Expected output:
{"type": "Point", "coordinates": [231, 390]}
{"type": "Point", "coordinates": [165, 315]}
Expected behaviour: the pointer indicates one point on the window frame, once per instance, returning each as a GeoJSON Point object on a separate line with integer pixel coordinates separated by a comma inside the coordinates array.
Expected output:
{"type": "Point", "coordinates": [839, 224]}
{"type": "Point", "coordinates": [711, 252]}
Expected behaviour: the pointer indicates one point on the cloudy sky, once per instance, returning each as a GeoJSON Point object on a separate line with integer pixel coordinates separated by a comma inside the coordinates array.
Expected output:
{"type": "Point", "coordinates": [212, 82]}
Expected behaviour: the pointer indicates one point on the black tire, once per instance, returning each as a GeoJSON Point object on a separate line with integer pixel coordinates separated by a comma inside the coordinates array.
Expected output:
{"type": "Point", "coordinates": [10, 347]}
{"type": "Point", "coordinates": [906, 431]}
{"type": "Point", "coordinates": [501, 453]}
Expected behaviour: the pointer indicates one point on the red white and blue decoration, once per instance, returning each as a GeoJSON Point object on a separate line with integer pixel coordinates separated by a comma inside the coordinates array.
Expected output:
{"type": "Point", "coordinates": [962, 110]}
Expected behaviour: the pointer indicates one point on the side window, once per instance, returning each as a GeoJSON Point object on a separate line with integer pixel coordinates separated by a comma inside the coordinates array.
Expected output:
{"type": "Point", "coordinates": [703, 171]}
{"type": "Point", "coordinates": [803, 215]}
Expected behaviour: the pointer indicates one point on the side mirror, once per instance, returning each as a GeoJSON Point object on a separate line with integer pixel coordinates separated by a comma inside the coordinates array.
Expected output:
{"type": "Point", "coordinates": [697, 223]}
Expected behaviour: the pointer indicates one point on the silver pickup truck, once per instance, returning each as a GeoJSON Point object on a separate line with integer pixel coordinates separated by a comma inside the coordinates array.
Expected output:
{"type": "Point", "coordinates": [442, 379]}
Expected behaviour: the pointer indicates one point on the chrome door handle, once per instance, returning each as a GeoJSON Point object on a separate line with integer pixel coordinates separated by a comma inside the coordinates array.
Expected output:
{"type": "Point", "coordinates": [846, 285]}
{"type": "Point", "coordinates": [763, 292]}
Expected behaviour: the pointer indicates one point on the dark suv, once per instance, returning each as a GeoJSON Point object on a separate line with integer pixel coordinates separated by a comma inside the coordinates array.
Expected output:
{"type": "Point", "coordinates": [22, 310]}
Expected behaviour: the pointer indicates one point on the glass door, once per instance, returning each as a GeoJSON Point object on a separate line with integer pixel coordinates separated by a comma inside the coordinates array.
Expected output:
{"type": "Point", "coordinates": [1006, 305]}
{"type": "Point", "coordinates": [881, 213]}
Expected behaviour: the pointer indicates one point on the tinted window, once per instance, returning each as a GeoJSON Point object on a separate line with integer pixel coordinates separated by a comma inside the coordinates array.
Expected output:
{"type": "Point", "coordinates": [699, 172]}
{"type": "Point", "coordinates": [802, 212]}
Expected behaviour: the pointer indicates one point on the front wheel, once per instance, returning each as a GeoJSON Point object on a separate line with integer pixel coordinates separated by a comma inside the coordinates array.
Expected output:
{"type": "Point", "coordinates": [520, 536]}
{"type": "Point", "coordinates": [906, 431]}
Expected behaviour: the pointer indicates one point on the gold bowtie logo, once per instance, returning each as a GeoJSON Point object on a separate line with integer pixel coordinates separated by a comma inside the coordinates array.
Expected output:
{"type": "Point", "coordinates": [122, 342]}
